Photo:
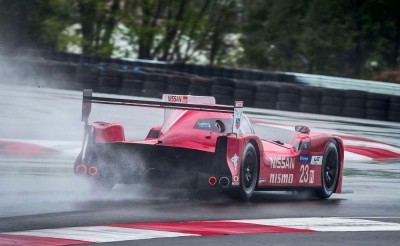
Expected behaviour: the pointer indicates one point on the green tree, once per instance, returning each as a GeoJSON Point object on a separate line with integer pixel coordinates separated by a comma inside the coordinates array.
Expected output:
{"type": "Point", "coordinates": [20, 24]}
{"type": "Point", "coordinates": [272, 34]}
{"type": "Point", "coordinates": [98, 19]}
{"type": "Point", "coordinates": [342, 37]}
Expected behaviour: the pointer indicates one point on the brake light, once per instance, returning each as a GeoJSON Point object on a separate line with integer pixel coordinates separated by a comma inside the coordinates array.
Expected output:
{"type": "Point", "coordinates": [212, 180]}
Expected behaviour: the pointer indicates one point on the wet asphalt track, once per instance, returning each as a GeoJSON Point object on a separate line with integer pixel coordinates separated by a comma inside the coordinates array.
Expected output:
{"type": "Point", "coordinates": [41, 192]}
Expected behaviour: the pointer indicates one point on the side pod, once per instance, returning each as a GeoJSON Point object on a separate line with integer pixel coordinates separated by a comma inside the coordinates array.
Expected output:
{"type": "Point", "coordinates": [229, 151]}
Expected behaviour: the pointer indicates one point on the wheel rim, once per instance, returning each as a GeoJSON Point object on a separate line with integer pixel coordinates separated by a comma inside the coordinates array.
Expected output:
{"type": "Point", "coordinates": [249, 171]}
{"type": "Point", "coordinates": [331, 170]}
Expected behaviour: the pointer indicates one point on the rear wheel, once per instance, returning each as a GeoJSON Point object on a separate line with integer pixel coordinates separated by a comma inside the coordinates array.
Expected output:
{"type": "Point", "coordinates": [249, 172]}
{"type": "Point", "coordinates": [329, 171]}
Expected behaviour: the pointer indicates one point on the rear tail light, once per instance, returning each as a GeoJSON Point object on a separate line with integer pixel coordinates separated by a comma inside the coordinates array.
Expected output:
{"type": "Point", "coordinates": [212, 180]}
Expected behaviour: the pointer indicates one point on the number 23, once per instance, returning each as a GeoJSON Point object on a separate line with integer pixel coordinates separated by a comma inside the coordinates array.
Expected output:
{"type": "Point", "coordinates": [304, 169]}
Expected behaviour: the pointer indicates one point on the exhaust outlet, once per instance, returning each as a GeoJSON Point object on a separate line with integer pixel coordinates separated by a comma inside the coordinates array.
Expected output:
{"type": "Point", "coordinates": [93, 170]}
{"type": "Point", "coordinates": [81, 169]}
{"type": "Point", "coordinates": [224, 182]}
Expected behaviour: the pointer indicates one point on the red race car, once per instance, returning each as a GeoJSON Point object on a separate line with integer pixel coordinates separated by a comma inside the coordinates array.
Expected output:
{"type": "Point", "coordinates": [203, 145]}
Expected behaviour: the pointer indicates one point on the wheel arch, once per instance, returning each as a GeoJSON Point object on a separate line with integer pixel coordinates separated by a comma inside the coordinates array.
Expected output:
{"type": "Point", "coordinates": [255, 144]}
{"type": "Point", "coordinates": [339, 145]}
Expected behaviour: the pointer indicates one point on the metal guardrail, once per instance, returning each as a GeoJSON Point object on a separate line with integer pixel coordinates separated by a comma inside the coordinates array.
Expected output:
{"type": "Point", "coordinates": [348, 84]}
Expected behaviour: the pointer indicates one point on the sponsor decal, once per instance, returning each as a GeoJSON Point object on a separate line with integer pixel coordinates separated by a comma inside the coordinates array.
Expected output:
{"type": "Point", "coordinates": [281, 178]}
{"type": "Point", "coordinates": [238, 104]}
{"type": "Point", "coordinates": [204, 124]}
{"type": "Point", "coordinates": [236, 178]}
{"type": "Point", "coordinates": [237, 114]}
{"type": "Point", "coordinates": [262, 181]}
{"type": "Point", "coordinates": [235, 160]}
{"type": "Point", "coordinates": [282, 162]}
{"type": "Point", "coordinates": [304, 158]}
{"type": "Point", "coordinates": [316, 160]}
{"type": "Point", "coordinates": [177, 99]}
{"type": "Point", "coordinates": [237, 123]}
{"type": "Point", "coordinates": [306, 175]}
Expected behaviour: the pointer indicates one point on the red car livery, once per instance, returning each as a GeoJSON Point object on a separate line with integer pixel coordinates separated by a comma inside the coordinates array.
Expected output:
{"type": "Point", "coordinates": [203, 145]}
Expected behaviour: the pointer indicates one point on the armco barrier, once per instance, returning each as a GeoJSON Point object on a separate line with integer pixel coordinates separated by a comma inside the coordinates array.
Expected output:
{"type": "Point", "coordinates": [257, 89]}
{"type": "Point", "coordinates": [347, 84]}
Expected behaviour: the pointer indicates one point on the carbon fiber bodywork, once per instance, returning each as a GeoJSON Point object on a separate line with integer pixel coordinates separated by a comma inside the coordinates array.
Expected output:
{"type": "Point", "coordinates": [157, 165]}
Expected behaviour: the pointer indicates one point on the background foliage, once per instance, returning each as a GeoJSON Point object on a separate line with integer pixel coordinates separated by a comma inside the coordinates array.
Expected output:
{"type": "Point", "coordinates": [351, 38]}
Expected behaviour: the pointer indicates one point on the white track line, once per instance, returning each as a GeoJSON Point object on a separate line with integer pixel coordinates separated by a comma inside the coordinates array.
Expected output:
{"type": "Point", "coordinates": [329, 224]}
{"type": "Point", "coordinates": [100, 234]}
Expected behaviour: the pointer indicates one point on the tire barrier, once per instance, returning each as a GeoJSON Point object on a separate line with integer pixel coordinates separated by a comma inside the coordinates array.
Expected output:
{"type": "Point", "coordinates": [222, 89]}
{"type": "Point", "coordinates": [266, 95]}
{"type": "Point", "coordinates": [200, 86]}
{"type": "Point", "coordinates": [245, 90]}
{"type": "Point", "coordinates": [86, 77]}
{"type": "Point", "coordinates": [155, 85]}
{"type": "Point", "coordinates": [259, 89]}
{"type": "Point", "coordinates": [355, 104]}
{"type": "Point", "coordinates": [310, 101]}
{"type": "Point", "coordinates": [332, 102]}
{"type": "Point", "coordinates": [377, 106]}
{"type": "Point", "coordinates": [288, 97]}
{"type": "Point", "coordinates": [178, 84]}
{"type": "Point", "coordinates": [200, 70]}
{"type": "Point", "coordinates": [132, 82]}
{"type": "Point", "coordinates": [110, 80]}
{"type": "Point", "coordinates": [394, 109]}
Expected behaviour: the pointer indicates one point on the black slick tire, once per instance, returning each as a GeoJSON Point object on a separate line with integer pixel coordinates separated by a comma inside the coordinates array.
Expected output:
{"type": "Point", "coordinates": [249, 168]}
{"type": "Point", "coordinates": [329, 170]}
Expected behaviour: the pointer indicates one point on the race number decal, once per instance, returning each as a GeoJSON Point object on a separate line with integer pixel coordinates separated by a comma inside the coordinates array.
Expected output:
{"type": "Point", "coordinates": [306, 175]}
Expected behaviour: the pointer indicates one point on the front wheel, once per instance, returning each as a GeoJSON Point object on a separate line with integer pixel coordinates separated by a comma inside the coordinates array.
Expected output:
{"type": "Point", "coordinates": [248, 172]}
{"type": "Point", "coordinates": [329, 171]}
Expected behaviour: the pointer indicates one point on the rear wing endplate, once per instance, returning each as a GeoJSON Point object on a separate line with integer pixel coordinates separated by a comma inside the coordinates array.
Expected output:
{"type": "Point", "coordinates": [88, 99]}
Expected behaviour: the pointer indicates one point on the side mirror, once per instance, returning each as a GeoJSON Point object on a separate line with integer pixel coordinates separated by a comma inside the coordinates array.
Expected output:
{"type": "Point", "coordinates": [302, 129]}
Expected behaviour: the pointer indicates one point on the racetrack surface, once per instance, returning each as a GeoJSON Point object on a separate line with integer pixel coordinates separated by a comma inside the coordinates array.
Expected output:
{"type": "Point", "coordinates": [40, 135]}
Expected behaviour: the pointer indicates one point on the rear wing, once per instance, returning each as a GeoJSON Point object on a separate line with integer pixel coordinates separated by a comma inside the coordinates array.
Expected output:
{"type": "Point", "coordinates": [88, 99]}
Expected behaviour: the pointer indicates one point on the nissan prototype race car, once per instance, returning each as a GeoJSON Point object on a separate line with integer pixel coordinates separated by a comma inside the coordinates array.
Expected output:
{"type": "Point", "coordinates": [203, 145]}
